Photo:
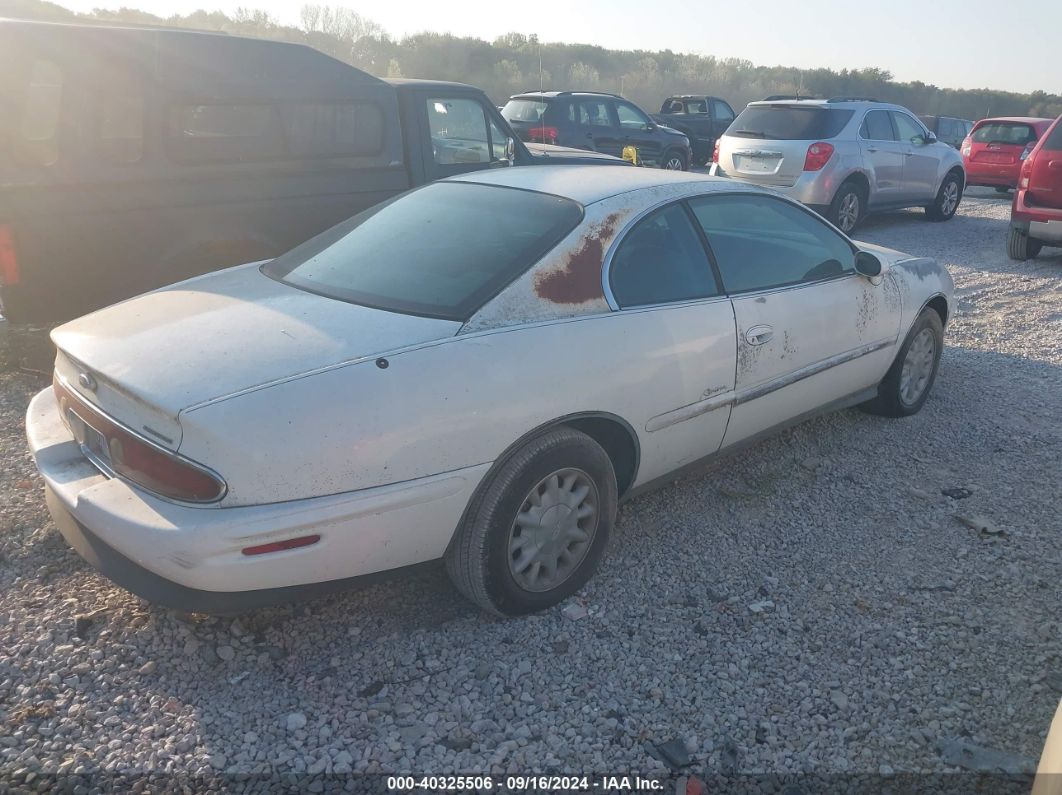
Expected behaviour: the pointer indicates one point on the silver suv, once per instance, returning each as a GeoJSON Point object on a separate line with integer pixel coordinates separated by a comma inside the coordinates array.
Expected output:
{"type": "Point", "coordinates": [844, 157]}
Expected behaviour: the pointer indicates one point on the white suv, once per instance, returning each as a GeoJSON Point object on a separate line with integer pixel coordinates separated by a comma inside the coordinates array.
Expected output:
{"type": "Point", "coordinates": [844, 157]}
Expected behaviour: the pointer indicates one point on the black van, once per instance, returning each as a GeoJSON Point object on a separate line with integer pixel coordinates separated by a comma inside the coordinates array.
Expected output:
{"type": "Point", "coordinates": [131, 158]}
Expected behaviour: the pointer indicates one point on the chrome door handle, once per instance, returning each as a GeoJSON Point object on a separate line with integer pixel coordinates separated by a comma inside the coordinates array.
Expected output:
{"type": "Point", "coordinates": [872, 149]}
{"type": "Point", "coordinates": [757, 335]}
{"type": "Point", "coordinates": [908, 154]}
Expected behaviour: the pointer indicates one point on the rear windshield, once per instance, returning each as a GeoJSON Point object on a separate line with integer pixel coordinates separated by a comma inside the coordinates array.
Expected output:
{"type": "Point", "coordinates": [789, 122]}
{"type": "Point", "coordinates": [1004, 132]}
{"type": "Point", "coordinates": [440, 251]}
{"type": "Point", "coordinates": [1054, 139]}
{"type": "Point", "coordinates": [524, 110]}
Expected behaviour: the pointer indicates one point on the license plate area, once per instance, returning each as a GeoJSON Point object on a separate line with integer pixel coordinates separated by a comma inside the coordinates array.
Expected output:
{"type": "Point", "coordinates": [756, 165]}
{"type": "Point", "coordinates": [93, 443]}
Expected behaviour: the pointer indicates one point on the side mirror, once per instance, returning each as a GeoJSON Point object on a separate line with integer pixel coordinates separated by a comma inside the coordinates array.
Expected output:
{"type": "Point", "coordinates": [868, 266]}
{"type": "Point", "coordinates": [510, 151]}
{"type": "Point", "coordinates": [931, 138]}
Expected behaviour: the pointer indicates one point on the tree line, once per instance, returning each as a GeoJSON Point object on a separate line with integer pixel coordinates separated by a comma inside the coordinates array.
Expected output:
{"type": "Point", "coordinates": [516, 62]}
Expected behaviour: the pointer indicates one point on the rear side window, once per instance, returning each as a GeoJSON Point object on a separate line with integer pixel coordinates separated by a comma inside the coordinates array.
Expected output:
{"type": "Point", "coordinates": [760, 242]}
{"type": "Point", "coordinates": [594, 114]}
{"type": "Point", "coordinates": [226, 132]}
{"type": "Point", "coordinates": [530, 110]}
{"type": "Point", "coordinates": [789, 122]}
{"type": "Point", "coordinates": [37, 130]}
{"type": "Point", "coordinates": [346, 129]}
{"type": "Point", "coordinates": [1054, 138]}
{"type": "Point", "coordinates": [122, 117]}
{"type": "Point", "coordinates": [661, 261]}
{"type": "Point", "coordinates": [877, 127]}
{"type": "Point", "coordinates": [1004, 132]}
{"type": "Point", "coordinates": [440, 251]}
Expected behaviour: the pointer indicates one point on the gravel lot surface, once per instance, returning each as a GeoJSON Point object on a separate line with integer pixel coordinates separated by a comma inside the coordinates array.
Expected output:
{"type": "Point", "coordinates": [815, 604]}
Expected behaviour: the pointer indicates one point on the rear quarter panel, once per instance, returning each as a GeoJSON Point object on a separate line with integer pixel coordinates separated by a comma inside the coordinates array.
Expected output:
{"type": "Point", "coordinates": [463, 401]}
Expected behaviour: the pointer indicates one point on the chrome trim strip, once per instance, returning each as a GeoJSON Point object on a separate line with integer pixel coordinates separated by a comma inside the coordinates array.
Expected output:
{"type": "Point", "coordinates": [734, 398]}
{"type": "Point", "coordinates": [766, 388]}
{"type": "Point", "coordinates": [674, 417]}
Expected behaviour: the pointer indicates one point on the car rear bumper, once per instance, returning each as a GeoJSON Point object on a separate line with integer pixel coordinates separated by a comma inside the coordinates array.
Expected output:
{"type": "Point", "coordinates": [1040, 223]}
{"type": "Point", "coordinates": [816, 189]}
{"type": "Point", "coordinates": [193, 558]}
{"type": "Point", "coordinates": [1005, 176]}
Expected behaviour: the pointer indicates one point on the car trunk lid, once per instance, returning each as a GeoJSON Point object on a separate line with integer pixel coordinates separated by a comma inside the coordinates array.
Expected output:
{"type": "Point", "coordinates": [1000, 143]}
{"type": "Point", "coordinates": [142, 361]}
{"type": "Point", "coordinates": [766, 162]}
{"type": "Point", "coordinates": [768, 143]}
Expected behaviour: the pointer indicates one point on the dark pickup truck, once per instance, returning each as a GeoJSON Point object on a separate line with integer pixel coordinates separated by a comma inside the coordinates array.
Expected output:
{"type": "Point", "coordinates": [131, 158]}
{"type": "Point", "coordinates": [703, 119]}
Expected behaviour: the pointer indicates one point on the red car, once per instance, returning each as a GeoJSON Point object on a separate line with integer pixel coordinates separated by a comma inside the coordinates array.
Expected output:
{"type": "Point", "coordinates": [1036, 214]}
{"type": "Point", "coordinates": [995, 148]}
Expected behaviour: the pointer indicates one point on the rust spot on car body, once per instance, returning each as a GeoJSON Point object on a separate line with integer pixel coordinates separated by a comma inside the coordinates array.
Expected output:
{"type": "Point", "coordinates": [579, 280]}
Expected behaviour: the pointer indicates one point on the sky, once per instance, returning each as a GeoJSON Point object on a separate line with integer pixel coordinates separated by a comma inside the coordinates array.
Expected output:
{"type": "Point", "coordinates": [1009, 46]}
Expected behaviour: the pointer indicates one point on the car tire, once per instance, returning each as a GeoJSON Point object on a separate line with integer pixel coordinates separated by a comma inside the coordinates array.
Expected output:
{"type": "Point", "coordinates": [906, 386]}
{"type": "Point", "coordinates": [848, 206]}
{"type": "Point", "coordinates": [1020, 246]}
{"type": "Point", "coordinates": [674, 160]}
{"type": "Point", "coordinates": [557, 474]}
{"type": "Point", "coordinates": [947, 199]}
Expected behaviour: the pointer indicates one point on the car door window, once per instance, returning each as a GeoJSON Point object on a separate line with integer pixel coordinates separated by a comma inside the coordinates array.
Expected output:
{"type": "Point", "coordinates": [661, 260]}
{"type": "Point", "coordinates": [458, 131]}
{"type": "Point", "coordinates": [594, 114]}
{"type": "Point", "coordinates": [946, 129]}
{"type": "Point", "coordinates": [760, 242]}
{"type": "Point", "coordinates": [723, 112]}
{"type": "Point", "coordinates": [910, 131]}
{"type": "Point", "coordinates": [630, 118]}
{"type": "Point", "coordinates": [877, 127]}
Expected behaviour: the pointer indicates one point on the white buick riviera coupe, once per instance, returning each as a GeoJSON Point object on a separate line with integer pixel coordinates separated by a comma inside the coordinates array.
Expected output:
{"type": "Point", "coordinates": [478, 370]}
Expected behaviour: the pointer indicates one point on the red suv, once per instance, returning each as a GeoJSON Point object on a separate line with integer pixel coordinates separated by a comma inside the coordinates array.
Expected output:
{"type": "Point", "coordinates": [995, 149]}
{"type": "Point", "coordinates": [1036, 214]}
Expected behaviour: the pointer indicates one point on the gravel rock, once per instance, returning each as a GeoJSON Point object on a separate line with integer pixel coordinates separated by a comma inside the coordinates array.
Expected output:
{"type": "Point", "coordinates": [295, 721]}
{"type": "Point", "coordinates": [927, 629]}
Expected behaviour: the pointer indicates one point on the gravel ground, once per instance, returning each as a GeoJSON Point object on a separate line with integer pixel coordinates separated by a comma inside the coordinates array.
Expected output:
{"type": "Point", "coordinates": [814, 605]}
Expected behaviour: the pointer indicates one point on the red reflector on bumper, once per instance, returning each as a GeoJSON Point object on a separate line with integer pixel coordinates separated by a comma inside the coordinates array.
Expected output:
{"type": "Point", "coordinates": [279, 546]}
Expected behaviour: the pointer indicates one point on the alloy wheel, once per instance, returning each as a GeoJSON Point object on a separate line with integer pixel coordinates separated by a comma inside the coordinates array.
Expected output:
{"type": "Point", "coordinates": [950, 199]}
{"type": "Point", "coordinates": [848, 212]}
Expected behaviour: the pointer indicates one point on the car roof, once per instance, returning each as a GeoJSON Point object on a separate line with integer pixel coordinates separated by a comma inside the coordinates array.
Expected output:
{"type": "Point", "coordinates": [855, 104]}
{"type": "Point", "coordinates": [1019, 119]}
{"type": "Point", "coordinates": [555, 94]}
{"type": "Point", "coordinates": [591, 183]}
{"type": "Point", "coordinates": [416, 82]}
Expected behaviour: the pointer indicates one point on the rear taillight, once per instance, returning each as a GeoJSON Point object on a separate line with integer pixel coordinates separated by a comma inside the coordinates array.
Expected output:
{"type": "Point", "coordinates": [1027, 150]}
{"type": "Point", "coordinates": [544, 135]}
{"type": "Point", "coordinates": [715, 152]}
{"type": "Point", "coordinates": [136, 459]}
{"type": "Point", "coordinates": [967, 147]}
{"type": "Point", "coordinates": [8, 261]}
{"type": "Point", "coordinates": [1026, 172]}
{"type": "Point", "coordinates": [818, 155]}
